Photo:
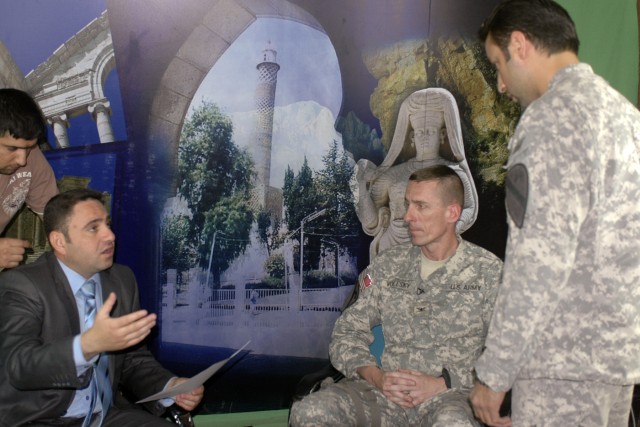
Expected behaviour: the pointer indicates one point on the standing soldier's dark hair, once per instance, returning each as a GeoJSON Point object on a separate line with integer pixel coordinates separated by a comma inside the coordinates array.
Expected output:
{"type": "Point", "coordinates": [544, 22]}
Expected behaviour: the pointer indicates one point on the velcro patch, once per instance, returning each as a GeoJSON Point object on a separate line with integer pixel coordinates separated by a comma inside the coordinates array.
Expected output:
{"type": "Point", "coordinates": [367, 282]}
{"type": "Point", "coordinates": [517, 189]}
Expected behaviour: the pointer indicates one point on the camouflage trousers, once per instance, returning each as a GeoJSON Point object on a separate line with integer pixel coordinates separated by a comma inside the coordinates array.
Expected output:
{"type": "Point", "coordinates": [557, 403]}
{"type": "Point", "coordinates": [357, 403]}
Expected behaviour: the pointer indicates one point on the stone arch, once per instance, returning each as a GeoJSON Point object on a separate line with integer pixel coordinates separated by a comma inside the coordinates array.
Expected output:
{"type": "Point", "coordinates": [220, 27]}
{"type": "Point", "coordinates": [70, 82]}
{"type": "Point", "coordinates": [104, 63]}
{"type": "Point", "coordinates": [10, 74]}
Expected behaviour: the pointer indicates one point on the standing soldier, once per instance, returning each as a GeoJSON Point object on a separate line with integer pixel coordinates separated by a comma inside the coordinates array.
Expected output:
{"type": "Point", "coordinates": [565, 335]}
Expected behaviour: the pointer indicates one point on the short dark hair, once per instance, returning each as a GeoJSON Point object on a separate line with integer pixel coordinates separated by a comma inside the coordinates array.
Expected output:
{"type": "Point", "coordinates": [450, 185]}
{"type": "Point", "coordinates": [59, 208]}
{"type": "Point", "coordinates": [21, 117]}
{"type": "Point", "coordinates": [544, 22]}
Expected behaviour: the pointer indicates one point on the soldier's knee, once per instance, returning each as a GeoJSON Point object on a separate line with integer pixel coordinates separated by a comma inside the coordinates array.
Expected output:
{"type": "Point", "coordinates": [452, 418]}
{"type": "Point", "coordinates": [306, 412]}
{"type": "Point", "coordinates": [454, 423]}
{"type": "Point", "coordinates": [297, 414]}
{"type": "Point", "coordinates": [454, 414]}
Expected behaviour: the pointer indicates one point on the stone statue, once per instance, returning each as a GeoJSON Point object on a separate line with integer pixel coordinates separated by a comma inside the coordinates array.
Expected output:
{"type": "Point", "coordinates": [428, 129]}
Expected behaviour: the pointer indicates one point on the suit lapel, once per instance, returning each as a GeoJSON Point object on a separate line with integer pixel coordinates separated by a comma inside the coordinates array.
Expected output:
{"type": "Point", "coordinates": [63, 289]}
{"type": "Point", "coordinates": [108, 285]}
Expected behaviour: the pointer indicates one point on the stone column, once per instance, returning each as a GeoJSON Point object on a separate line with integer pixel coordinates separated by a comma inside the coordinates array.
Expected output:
{"type": "Point", "coordinates": [60, 124]}
{"type": "Point", "coordinates": [100, 111]}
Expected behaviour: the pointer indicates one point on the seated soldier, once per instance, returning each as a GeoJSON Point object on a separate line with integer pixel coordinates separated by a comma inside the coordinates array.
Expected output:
{"type": "Point", "coordinates": [434, 299]}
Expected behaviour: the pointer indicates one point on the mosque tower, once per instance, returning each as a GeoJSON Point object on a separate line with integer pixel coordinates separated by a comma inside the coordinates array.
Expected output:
{"type": "Point", "coordinates": [265, 98]}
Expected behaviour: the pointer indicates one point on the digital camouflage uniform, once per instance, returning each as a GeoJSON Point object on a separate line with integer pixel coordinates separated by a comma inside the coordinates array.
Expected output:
{"type": "Point", "coordinates": [569, 305]}
{"type": "Point", "coordinates": [428, 325]}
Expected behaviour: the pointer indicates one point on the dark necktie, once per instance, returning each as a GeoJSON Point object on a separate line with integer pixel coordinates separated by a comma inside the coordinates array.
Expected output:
{"type": "Point", "coordinates": [100, 384]}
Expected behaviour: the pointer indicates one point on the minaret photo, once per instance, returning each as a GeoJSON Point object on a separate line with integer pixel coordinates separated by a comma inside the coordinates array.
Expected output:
{"type": "Point", "coordinates": [265, 99]}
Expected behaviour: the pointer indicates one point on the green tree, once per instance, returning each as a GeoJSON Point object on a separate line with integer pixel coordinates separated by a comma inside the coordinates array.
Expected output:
{"type": "Point", "coordinates": [300, 195]}
{"type": "Point", "coordinates": [274, 266]}
{"type": "Point", "coordinates": [340, 225]}
{"type": "Point", "coordinates": [214, 178]}
{"type": "Point", "coordinates": [268, 230]}
{"type": "Point", "coordinates": [230, 223]}
{"type": "Point", "coordinates": [177, 250]}
{"type": "Point", "coordinates": [300, 200]}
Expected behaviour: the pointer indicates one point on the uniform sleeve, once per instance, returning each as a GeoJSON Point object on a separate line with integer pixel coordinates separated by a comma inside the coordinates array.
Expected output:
{"type": "Point", "coordinates": [43, 182]}
{"type": "Point", "coordinates": [542, 244]}
{"type": "Point", "coordinates": [492, 276]}
{"type": "Point", "coordinates": [351, 337]}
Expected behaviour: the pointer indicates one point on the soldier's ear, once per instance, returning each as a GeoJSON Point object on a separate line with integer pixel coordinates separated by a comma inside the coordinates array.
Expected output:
{"type": "Point", "coordinates": [454, 210]}
{"type": "Point", "coordinates": [520, 46]}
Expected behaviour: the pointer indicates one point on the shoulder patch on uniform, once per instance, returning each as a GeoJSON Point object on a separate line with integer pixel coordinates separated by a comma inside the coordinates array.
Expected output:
{"type": "Point", "coordinates": [367, 282]}
{"type": "Point", "coordinates": [517, 189]}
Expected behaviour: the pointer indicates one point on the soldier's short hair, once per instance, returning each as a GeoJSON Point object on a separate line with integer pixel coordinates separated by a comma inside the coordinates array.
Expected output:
{"type": "Point", "coordinates": [544, 22]}
{"type": "Point", "coordinates": [450, 185]}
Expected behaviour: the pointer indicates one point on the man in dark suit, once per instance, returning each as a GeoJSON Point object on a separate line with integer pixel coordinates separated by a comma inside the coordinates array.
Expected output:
{"type": "Point", "coordinates": [51, 350]}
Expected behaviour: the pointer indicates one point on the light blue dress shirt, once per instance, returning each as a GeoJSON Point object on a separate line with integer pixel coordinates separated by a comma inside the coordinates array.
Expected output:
{"type": "Point", "coordinates": [82, 399]}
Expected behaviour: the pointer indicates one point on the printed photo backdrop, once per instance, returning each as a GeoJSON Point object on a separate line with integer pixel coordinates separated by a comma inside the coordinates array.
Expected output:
{"type": "Point", "coordinates": [65, 60]}
{"type": "Point", "coordinates": [226, 133]}
{"type": "Point", "coordinates": [252, 117]}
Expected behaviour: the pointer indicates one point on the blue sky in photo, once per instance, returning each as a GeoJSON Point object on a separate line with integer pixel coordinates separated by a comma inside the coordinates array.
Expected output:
{"type": "Point", "coordinates": [33, 29]}
{"type": "Point", "coordinates": [308, 68]}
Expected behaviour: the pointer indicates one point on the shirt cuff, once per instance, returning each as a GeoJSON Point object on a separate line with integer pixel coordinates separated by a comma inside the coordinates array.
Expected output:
{"type": "Point", "coordinates": [168, 401]}
{"type": "Point", "coordinates": [78, 357]}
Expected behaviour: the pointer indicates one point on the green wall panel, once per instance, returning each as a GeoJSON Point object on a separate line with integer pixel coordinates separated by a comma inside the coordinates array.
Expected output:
{"type": "Point", "coordinates": [608, 31]}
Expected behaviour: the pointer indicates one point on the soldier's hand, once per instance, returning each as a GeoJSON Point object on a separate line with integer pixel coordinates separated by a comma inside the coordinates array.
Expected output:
{"type": "Point", "coordinates": [397, 387]}
{"type": "Point", "coordinates": [381, 380]}
{"type": "Point", "coordinates": [486, 406]}
{"type": "Point", "coordinates": [409, 388]}
{"type": "Point", "coordinates": [12, 251]}
{"type": "Point", "coordinates": [426, 386]}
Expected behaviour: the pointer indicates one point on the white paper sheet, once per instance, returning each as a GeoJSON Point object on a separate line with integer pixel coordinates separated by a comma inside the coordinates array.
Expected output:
{"type": "Point", "coordinates": [193, 382]}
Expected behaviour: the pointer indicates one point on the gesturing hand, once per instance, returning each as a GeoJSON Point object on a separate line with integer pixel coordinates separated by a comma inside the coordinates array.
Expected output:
{"type": "Point", "coordinates": [115, 333]}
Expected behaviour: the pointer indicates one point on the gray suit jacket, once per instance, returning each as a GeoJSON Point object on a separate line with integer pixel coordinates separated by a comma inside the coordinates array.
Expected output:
{"type": "Point", "coordinates": [38, 320]}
